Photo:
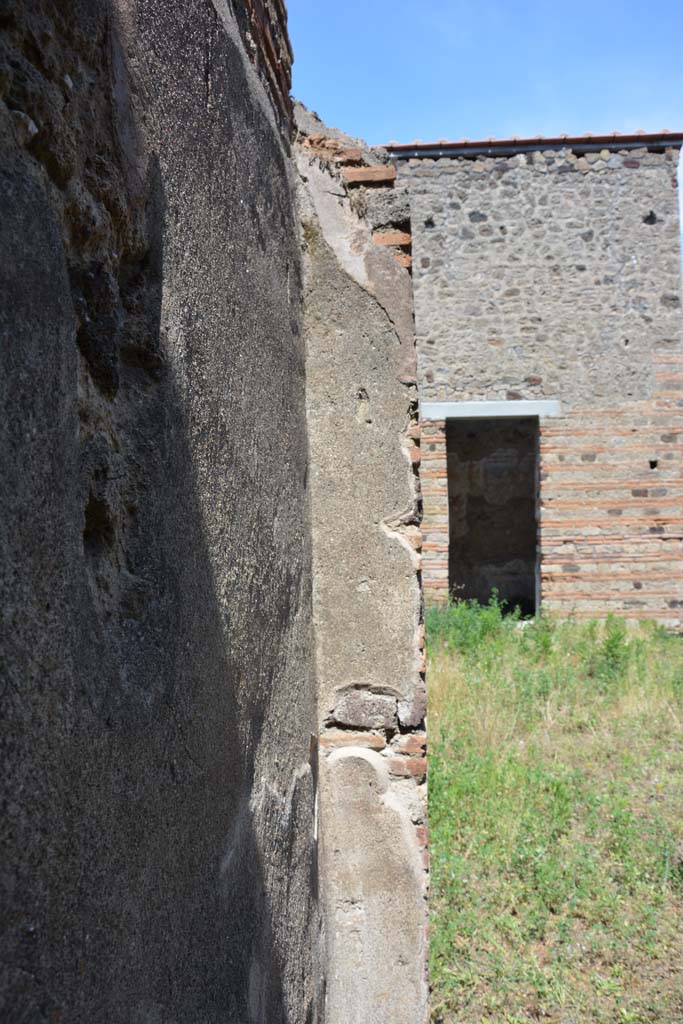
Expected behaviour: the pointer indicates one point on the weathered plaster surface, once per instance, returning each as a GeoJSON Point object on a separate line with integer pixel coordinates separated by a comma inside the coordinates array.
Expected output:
{"type": "Point", "coordinates": [366, 597]}
{"type": "Point", "coordinates": [158, 861]}
{"type": "Point", "coordinates": [360, 407]}
{"type": "Point", "coordinates": [374, 922]}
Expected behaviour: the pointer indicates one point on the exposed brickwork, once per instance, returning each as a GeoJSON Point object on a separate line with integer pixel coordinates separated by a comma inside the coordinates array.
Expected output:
{"type": "Point", "coordinates": [400, 238]}
{"type": "Point", "coordinates": [612, 506]}
{"type": "Point", "coordinates": [334, 739]}
{"type": "Point", "coordinates": [434, 475]}
{"type": "Point", "coordinates": [611, 535]}
{"type": "Point", "coordinates": [263, 24]}
{"type": "Point", "coordinates": [381, 175]}
{"type": "Point", "coordinates": [331, 150]}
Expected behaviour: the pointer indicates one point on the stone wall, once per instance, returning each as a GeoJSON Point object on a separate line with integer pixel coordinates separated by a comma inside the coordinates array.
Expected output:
{"type": "Point", "coordinates": [158, 853]}
{"type": "Point", "coordinates": [365, 505]}
{"type": "Point", "coordinates": [545, 274]}
{"type": "Point", "coordinates": [556, 275]}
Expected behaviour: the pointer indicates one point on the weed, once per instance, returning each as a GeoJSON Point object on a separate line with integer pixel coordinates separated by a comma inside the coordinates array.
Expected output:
{"type": "Point", "coordinates": [556, 805]}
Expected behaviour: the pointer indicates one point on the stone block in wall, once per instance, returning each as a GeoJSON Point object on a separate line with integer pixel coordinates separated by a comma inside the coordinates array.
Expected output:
{"type": "Point", "coordinates": [362, 709]}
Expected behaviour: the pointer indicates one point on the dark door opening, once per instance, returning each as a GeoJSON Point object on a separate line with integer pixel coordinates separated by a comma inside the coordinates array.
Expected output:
{"type": "Point", "coordinates": [492, 505]}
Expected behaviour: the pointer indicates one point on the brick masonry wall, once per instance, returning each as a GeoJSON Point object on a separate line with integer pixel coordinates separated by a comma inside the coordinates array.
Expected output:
{"type": "Point", "coordinates": [611, 536]}
{"type": "Point", "coordinates": [612, 506]}
{"type": "Point", "coordinates": [434, 476]}
{"type": "Point", "coordinates": [552, 275]}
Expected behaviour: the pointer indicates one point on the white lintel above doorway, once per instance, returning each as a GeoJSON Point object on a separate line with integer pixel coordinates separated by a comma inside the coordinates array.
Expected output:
{"type": "Point", "coordinates": [489, 410]}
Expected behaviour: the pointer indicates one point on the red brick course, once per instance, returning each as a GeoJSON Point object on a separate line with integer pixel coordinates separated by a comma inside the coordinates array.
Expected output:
{"type": "Point", "coordinates": [384, 174]}
{"type": "Point", "coordinates": [612, 512]}
{"type": "Point", "coordinates": [392, 238]}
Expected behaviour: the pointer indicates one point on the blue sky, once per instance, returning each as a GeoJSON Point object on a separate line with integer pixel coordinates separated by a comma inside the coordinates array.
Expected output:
{"type": "Point", "coordinates": [433, 69]}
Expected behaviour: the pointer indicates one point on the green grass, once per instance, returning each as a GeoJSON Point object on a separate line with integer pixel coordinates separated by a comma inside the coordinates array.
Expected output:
{"type": "Point", "coordinates": [556, 812]}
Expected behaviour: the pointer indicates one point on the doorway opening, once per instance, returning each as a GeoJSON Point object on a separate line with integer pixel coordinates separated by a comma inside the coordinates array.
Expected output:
{"type": "Point", "coordinates": [493, 483]}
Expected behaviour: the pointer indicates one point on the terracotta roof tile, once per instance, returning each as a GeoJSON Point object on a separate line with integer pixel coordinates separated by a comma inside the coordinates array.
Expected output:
{"type": "Point", "coordinates": [611, 140]}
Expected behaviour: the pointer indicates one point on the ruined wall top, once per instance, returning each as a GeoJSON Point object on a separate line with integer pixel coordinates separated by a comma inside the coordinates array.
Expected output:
{"type": "Point", "coordinates": [542, 274]}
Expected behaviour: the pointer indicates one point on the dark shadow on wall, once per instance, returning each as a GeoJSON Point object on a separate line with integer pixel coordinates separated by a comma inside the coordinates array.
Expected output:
{"type": "Point", "coordinates": [157, 860]}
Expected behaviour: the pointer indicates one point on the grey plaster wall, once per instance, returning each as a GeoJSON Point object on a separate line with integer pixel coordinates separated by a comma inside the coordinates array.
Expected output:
{"type": "Point", "coordinates": [158, 862]}
{"type": "Point", "coordinates": [361, 399]}
{"type": "Point", "coordinates": [545, 274]}
{"type": "Point", "coordinates": [359, 411]}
